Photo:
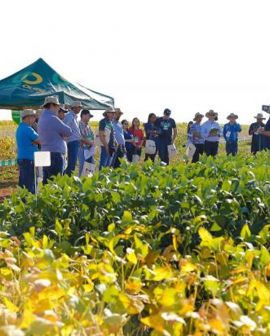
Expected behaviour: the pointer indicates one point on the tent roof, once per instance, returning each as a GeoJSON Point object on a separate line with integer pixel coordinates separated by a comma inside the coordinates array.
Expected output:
{"type": "Point", "coordinates": [28, 87]}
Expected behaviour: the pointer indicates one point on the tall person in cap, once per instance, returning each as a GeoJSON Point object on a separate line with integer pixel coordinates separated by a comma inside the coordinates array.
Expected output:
{"type": "Point", "coordinates": [86, 151]}
{"type": "Point", "coordinates": [230, 133]}
{"type": "Point", "coordinates": [52, 132]}
{"type": "Point", "coordinates": [73, 142]}
{"type": "Point", "coordinates": [107, 138]}
{"type": "Point", "coordinates": [195, 136]}
{"type": "Point", "coordinates": [258, 139]}
{"type": "Point", "coordinates": [211, 133]}
{"type": "Point", "coordinates": [119, 137]}
{"type": "Point", "coordinates": [27, 144]}
{"type": "Point", "coordinates": [167, 133]}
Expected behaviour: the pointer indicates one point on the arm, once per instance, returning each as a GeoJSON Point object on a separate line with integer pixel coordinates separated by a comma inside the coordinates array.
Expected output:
{"type": "Point", "coordinates": [33, 136]}
{"type": "Point", "coordinates": [174, 132]}
{"type": "Point", "coordinates": [174, 135]}
{"type": "Point", "coordinates": [102, 136]}
{"type": "Point", "coordinates": [251, 129]}
{"type": "Point", "coordinates": [265, 133]}
{"type": "Point", "coordinates": [224, 132]}
{"type": "Point", "coordinates": [62, 128]}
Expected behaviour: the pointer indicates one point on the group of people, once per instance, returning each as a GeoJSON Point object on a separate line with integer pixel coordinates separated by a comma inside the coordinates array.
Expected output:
{"type": "Point", "coordinates": [59, 131]}
{"type": "Point", "coordinates": [205, 138]}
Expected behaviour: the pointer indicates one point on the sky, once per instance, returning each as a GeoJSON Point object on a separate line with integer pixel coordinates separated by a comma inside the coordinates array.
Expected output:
{"type": "Point", "coordinates": [187, 55]}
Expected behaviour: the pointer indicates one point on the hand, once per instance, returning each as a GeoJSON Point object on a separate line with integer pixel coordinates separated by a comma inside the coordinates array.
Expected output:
{"type": "Point", "coordinates": [260, 130]}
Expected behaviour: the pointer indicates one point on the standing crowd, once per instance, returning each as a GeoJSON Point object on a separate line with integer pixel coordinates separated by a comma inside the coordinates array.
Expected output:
{"type": "Point", "coordinates": [60, 132]}
{"type": "Point", "coordinates": [205, 138]}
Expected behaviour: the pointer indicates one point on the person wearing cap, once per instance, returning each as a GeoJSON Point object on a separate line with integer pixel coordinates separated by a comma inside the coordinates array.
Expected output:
{"type": "Point", "coordinates": [167, 133]}
{"type": "Point", "coordinates": [107, 138]}
{"type": "Point", "coordinates": [27, 144]}
{"type": "Point", "coordinates": [258, 138]}
{"type": "Point", "coordinates": [87, 140]}
{"type": "Point", "coordinates": [120, 139]}
{"type": "Point", "coordinates": [73, 142]}
{"type": "Point", "coordinates": [52, 132]}
{"type": "Point", "coordinates": [230, 133]}
{"type": "Point", "coordinates": [211, 132]}
{"type": "Point", "coordinates": [195, 136]}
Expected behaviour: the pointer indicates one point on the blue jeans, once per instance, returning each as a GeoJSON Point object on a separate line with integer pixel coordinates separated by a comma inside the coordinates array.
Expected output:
{"type": "Point", "coordinates": [231, 147]}
{"type": "Point", "coordinates": [105, 158]}
{"type": "Point", "coordinates": [27, 174]}
{"type": "Point", "coordinates": [73, 149]}
{"type": "Point", "coordinates": [162, 147]}
{"type": "Point", "coordinates": [82, 160]}
{"type": "Point", "coordinates": [56, 167]}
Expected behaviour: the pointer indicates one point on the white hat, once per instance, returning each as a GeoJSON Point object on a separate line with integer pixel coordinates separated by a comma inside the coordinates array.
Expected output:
{"type": "Point", "coordinates": [51, 100]}
{"type": "Point", "coordinates": [76, 104]}
{"type": "Point", "coordinates": [28, 112]}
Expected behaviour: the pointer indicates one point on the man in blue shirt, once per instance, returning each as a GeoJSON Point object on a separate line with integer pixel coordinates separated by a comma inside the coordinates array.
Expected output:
{"type": "Point", "coordinates": [73, 142]}
{"type": "Point", "coordinates": [230, 133]}
{"type": "Point", "coordinates": [52, 132]}
{"type": "Point", "coordinates": [27, 144]}
{"type": "Point", "coordinates": [167, 132]}
{"type": "Point", "coordinates": [107, 138]}
{"type": "Point", "coordinates": [120, 139]}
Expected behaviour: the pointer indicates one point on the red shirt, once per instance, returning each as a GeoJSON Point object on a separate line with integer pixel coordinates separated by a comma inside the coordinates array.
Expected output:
{"type": "Point", "coordinates": [137, 133]}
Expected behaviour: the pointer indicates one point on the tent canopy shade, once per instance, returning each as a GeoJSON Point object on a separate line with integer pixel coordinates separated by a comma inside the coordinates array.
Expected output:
{"type": "Point", "coordinates": [28, 88]}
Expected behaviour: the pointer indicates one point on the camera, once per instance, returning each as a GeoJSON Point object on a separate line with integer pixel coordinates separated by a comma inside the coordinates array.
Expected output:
{"type": "Point", "coordinates": [266, 108]}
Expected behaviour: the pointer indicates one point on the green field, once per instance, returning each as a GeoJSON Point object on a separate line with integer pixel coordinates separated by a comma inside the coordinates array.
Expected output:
{"type": "Point", "coordinates": [142, 250]}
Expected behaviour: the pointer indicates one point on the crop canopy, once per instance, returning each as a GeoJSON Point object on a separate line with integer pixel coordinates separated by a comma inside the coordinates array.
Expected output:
{"type": "Point", "coordinates": [28, 87]}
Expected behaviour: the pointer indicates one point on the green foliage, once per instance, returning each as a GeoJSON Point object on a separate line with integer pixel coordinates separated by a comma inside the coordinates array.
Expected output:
{"type": "Point", "coordinates": [142, 250]}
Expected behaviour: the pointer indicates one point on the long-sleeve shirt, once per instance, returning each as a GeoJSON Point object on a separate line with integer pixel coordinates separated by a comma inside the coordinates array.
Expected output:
{"type": "Point", "coordinates": [230, 132]}
{"type": "Point", "coordinates": [71, 119]}
{"type": "Point", "coordinates": [195, 134]}
{"type": "Point", "coordinates": [119, 133]}
{"type": "Point", "coordinates": [206, 129]}
{"type": "Point", "coordinates": [51, 132]}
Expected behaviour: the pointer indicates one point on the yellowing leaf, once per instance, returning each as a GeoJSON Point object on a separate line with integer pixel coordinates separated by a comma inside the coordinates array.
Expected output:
{"type": "Point", "coordinates": [10, 306]}
{"type": "Point", "coordinates": [131, 256]}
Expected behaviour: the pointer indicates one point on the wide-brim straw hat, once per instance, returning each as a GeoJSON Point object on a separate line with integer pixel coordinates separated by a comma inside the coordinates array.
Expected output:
{"type": "Point", "coordinates": [232, 115]}
{"type": "Point", "coordinates": [198, 115]}
{"type": "Point", "coordinates": [118, 110]}
{"type": "Point", "coordinates": [259, 116]}
{"type": "Point", "coordinates": [28, 112]}
{"type": "Point", "coordinates": [76, 104]}
{"type": "Point", "coordinates": [112, 110]}
{"type": "Point", "coordinates": [211, 113]}
{"type": "Point", "coordinates": [51, 100]}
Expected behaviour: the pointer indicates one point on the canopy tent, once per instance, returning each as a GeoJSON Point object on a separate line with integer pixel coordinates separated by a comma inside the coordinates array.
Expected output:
{"type": "Point", "coordinates": [28, 87]}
